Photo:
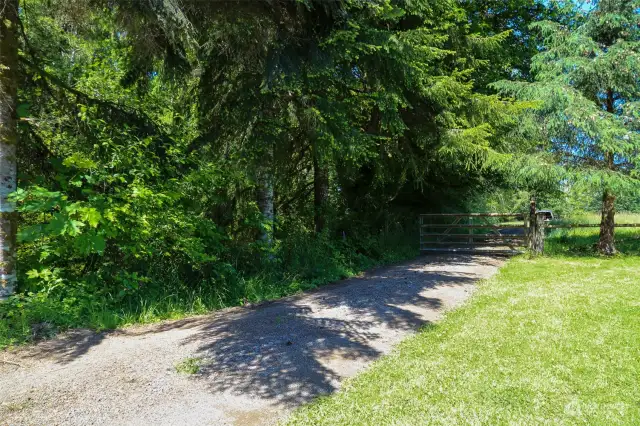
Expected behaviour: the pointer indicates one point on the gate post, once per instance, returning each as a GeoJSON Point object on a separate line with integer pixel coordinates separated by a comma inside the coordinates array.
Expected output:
{"type": "Point", "coordinates": [536, 243]}
{"type": "Point", "coordinates": [536, 233]}
{"type": "Point", "coordinates": [532, 222]}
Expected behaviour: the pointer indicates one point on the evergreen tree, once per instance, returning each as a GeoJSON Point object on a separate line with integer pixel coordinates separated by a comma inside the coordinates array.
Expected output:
{"type": "Point", "coordinates": [491, 17]}
{"type": "Point", "coordinates": [587, 79]}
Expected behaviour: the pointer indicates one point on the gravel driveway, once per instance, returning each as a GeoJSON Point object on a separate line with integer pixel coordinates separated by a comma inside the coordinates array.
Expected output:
{"type": "Point", "coordinates": [257, 363]}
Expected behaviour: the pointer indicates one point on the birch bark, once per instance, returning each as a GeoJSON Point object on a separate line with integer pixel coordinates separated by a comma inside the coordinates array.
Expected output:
{"type": "Point", "coordinates": [8, 143]}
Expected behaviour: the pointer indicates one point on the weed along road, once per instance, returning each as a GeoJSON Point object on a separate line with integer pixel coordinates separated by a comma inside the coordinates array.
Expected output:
{"type": "Point", "coordinates": [240, 366]}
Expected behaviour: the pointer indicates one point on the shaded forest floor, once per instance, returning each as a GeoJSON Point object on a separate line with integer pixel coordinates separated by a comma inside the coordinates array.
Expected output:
{"type": "Point", "coordinates": [237, 366]}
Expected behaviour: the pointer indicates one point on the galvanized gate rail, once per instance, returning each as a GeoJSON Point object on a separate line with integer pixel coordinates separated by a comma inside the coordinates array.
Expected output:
{"type": "Point", "coordinates": [474, 232]}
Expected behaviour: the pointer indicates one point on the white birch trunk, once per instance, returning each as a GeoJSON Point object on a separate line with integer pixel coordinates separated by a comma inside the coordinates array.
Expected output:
{"type": "Point", "coordinates": [320, 190]}
{"type": "Point", "coordinates": [265, 203]}
{"type": "Point", "coordinates": [265, 195]}
{"type": "Point", "coordinates": [8, 143]}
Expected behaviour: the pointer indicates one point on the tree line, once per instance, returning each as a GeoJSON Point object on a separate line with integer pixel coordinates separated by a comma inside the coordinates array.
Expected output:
{"type": "Point", "coordinates": [162, 146]}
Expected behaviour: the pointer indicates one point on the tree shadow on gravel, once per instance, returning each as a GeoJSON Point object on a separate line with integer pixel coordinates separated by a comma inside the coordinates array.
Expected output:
{"type": "Point", "coordinates": [65, 348]}
{"type": "Point", "coordinates": [280, 350]}
{"type": "Point", "coordinates": [288, 351]}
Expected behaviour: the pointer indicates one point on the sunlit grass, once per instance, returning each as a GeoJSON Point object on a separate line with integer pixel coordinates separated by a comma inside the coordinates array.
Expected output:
{"type": "Point", "coordinates": [189, 366]}
{"type": "Point", "coordinates": [620, 217]}
{"type": "Point", "coordinates": [551, 340]}
{"type": "Point", "coordinates": [582, 241]}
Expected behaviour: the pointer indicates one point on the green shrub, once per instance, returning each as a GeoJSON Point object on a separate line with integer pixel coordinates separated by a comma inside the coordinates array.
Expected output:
{"type": "Point", "coordinates": [56, 298]}
{"type": "Point", "coordinates": [189, 366]}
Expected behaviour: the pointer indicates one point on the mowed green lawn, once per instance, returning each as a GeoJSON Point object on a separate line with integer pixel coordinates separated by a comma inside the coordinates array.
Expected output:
{"type": "Point", "coordinates": [553, 340]}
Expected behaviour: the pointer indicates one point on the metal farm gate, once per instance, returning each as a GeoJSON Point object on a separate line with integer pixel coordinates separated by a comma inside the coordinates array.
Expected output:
{"type": "Point", "coordinates": [493, 232]}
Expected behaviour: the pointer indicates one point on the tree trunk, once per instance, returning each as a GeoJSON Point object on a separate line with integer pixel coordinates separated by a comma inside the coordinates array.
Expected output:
{"type": "Point", "coordinates": [531, 222]}
{"type": "Point", "coordinates": [8, 142]}
{"type": "Point", "coordinates": [536, 242]}
{"type": "Point", "coordinates": [606, 244]}
{"type": "Point", "coordinates": [265, 204]}
{"type": "Point", "coordinates": [320, 190]}
{"type": "Point", "coordinates": [265, 196]}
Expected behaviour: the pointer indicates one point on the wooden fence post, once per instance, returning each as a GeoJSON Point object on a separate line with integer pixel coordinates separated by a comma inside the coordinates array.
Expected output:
{"type": "Point", "coordinates": [532, 222]}
{"type": "Point", "coordinates": [536, 243]}
{"type": "Point", "coordinates": [421, 231]}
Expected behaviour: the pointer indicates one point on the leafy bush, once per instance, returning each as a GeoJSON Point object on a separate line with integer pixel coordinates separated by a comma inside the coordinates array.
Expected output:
{"type": "Point", "coordinates": [56, 298]}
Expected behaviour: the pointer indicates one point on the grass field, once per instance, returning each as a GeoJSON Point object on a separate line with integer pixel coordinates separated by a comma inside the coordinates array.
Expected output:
{"type": "Point", "coordinates": [552, 340]}
{"type": "Point", "coordinates": [582, 241]}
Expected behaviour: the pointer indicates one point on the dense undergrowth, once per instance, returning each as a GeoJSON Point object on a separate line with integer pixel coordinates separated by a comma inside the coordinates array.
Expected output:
{"type": "Point", "coordinates": [298, 264]}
